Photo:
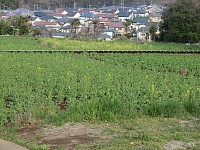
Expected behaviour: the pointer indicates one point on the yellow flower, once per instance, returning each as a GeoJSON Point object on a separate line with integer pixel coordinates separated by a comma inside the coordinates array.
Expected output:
{"type": "Point", "coordinates": [152, 88]}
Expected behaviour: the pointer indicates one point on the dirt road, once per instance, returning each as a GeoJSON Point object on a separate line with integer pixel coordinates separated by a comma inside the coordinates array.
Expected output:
{"type": "Point", "coordinates": [6, 145]}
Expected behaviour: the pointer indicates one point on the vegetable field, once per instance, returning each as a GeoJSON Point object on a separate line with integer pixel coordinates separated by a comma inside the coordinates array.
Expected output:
{"type": "Point", "coordinates": [56, 87]}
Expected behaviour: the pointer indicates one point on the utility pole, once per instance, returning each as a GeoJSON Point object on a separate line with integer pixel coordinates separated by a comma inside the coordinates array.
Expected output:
{"type": "Point", "coordinates": [113, 2]}
{"type": "Point", "coordinates": [122, 4]}
{"type": "Point", "coordinates": [75, 4]}
{"type": "Point", "coordinates": [37, 6]}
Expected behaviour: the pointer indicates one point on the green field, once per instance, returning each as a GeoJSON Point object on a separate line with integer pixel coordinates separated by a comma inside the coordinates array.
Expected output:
{"type": "Point", "coordinates": [129, 90]}
{"type": "Point", "coordinates": [137, 101]}
{"type": "Point", "coordinates": [30, 43]}
{"type": "Point", "coordinates": [97, 87]}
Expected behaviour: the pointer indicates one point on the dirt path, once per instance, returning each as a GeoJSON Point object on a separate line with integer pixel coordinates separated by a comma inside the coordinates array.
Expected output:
{"type": "Point", "coordinates": [67, 136]}
{"type": "Point", "coordinates": [6, 145]}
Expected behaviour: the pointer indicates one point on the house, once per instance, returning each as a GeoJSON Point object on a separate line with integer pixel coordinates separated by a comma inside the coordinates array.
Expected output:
{"type": "Point", "coordinates": [55, 34]}
{"type": "Point", "coordinates": [48, 18]}
{"type": "Point", "coordinates": [143, 34]}
{"type": "Point", "coordinates": [35, 19]}
{"type": "Point", "coordinates": [84, 11]}
{"type": "Point", "coordinates": [67, 29]}
{"type": "Point", "coordinates": [110, 11]}
{"type": "Point", "coordinates": [39, 14]}
{"type": "Point", "coordinates": [72, 13]}
{"type": "Point", "coordinates": [108, 34]}
{"type": "Point", "coordinates": [124, 15]}
{"type": "Point", "coordinates": [111, 17]}
{"type": "Point", "coordinates": [140, 20]}
{"type": "Point", "coordinates": [61, 11]}
{"type": "Point", "coordinates": [61, 34]}
{"type": "Point", "coordinates": [89, 16]}
{"type": "Point", "coordinates": [154, 8]}
{"type": "Point", "coordinates": [6, 15]}
{"type": "Point", "coordinates": [47, 25]}
{"type": "Point", "coordinates": [23, 12]}
{"type": "Point", "coordinates": [63, 20]}
{"type": "Point", "coordinates": [143, 13]}
{"type": "Point", "coordinates": [155, 17]}
{"type": "Point", "coordinates": [103, 22]}
{"type": "Point", "coordinates": [118, 26]}
{"type": "Point", "coordinates": [142, 7]}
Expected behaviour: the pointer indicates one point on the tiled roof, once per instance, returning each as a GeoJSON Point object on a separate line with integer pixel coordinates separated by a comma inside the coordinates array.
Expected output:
{"type": "Point", "coordinates": [115, 24]}
{"type": "Point", "coordinates": [47, 17]}
{"type": "Point", "coordinates": [140, 19]}
{"type": "Point", "coordinates": [124, 14]}
{"type": "Point", "coordinates": [22, 10]}
{"type": "Point", "coordinates": [39, 23]}
{"type": "Point", "coordinates": [39, 14]}
{"type": "Point", "coordinates": [84, 11]}
{"type": "Point", "coordinates": [107, 15]}
{"type": "Point", "coordinates": [90, 15]}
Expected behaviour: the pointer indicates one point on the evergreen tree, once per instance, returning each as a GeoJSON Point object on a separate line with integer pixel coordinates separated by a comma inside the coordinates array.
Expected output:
{"type": "Point", "coordinates": [181, 22]}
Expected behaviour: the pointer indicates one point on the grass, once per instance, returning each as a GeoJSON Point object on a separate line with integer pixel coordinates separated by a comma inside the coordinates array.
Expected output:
{"type": "Point", "coordinates": [30, 43]}
{"type": "Point", "coordinates": [138, 133]}
{"type": "Point", "coordinates": [72, 44]}
{"type": "Point", "coordinates": [21, 43]}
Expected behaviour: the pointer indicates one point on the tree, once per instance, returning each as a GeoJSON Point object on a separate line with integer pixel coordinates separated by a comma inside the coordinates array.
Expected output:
{"type": "Point", "coordinates": [181, 22]}
{"type": "Point", "coordinates": [12, 25]}
{"type": "Point", "coordinates": [95, 23]}
{"type": "Point", "coordinates": [21, 24]}
{"type": "Point", "coordinates": [9, 3]}
{"type": "Point", "coordinates": [152, 32]}
{"type": "Point", "coordinates": [36, 32]}
{"type": "Point", "coordinates": [75, 23]}
{"type": "Point", "coordinates": [127, 23]}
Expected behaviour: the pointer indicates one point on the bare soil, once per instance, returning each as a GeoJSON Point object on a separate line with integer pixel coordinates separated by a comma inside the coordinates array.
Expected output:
{"type": "Point", "coordinates": [67, 136]}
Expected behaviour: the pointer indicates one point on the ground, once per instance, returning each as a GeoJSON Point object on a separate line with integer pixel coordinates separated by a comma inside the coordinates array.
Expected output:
{"type": "Point", "coordinates": [67, 136]}
{"type": "Point", "coordinates": [141, 133]}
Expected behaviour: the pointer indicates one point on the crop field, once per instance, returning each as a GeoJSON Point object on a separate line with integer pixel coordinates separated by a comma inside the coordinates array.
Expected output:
{"type": "Point", "coordinates": [98, 100]}
{"type": "Point", "coordinates": [137, 101]}
{"type": "Point", "coordinates": [30, 43]}
{"type": "Point", "coordinates": [75, 87]}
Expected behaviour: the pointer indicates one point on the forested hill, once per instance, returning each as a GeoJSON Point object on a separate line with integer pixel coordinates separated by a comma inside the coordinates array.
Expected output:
{"type": "Point", "coordinates": [52, 4]}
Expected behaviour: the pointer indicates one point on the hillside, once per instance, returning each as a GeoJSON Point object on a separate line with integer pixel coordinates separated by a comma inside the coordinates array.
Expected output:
{"type": "Point", "coordinates": [52, 4]}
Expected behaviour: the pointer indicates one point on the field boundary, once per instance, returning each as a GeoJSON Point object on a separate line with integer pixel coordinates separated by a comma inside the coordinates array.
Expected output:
{"type": "Point", "coordinates": [110, 51]}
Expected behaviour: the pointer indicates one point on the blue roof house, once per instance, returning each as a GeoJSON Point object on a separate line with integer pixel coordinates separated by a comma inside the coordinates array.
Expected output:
{"type": "Point", "coordinates": [89, 16]}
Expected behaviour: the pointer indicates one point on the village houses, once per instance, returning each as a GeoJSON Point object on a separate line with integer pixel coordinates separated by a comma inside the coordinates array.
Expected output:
{"type": "Point", "coordinates": [110, 20]}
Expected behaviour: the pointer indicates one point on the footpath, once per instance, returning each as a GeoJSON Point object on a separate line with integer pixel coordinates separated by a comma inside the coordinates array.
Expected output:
{"type": "Point", "coordinates": [6, 145]}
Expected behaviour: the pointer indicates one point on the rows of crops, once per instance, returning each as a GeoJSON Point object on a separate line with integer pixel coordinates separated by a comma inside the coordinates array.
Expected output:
{"type": "Point", "coordinates": [64, 87]}
{"type": "Point", "coordinates": [29, 43]}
